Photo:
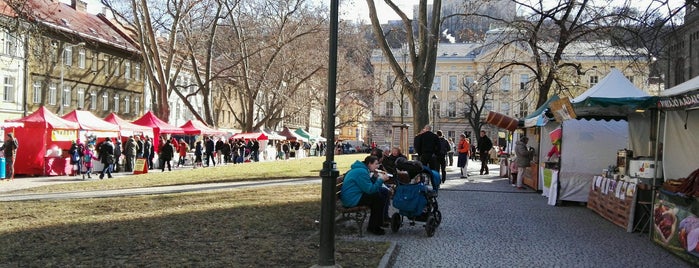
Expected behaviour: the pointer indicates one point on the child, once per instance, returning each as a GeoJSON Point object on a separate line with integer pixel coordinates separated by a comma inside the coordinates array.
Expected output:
{"type": "Point", "coordinates": [88, 155]}
{"type": "Point", "coordinates": [197, 154]}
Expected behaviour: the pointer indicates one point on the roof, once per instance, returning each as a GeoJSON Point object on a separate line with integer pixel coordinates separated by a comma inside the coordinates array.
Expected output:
{"type": "Point", "coordinates": [64, 18]}
{"type": "Point", "coordinates": [196, 127]}
{"type": "Point", "coordinates": [682, 96]}
{"type": "Point", "coordinates": [249, 136]}
{"type": "Point", "coordinates": [127, 128]}
{"type": "Point", "coordinates": [613, 96]}
{"type": "Point", "coordinates": [150, 120]}
{"type": "Point", "coordinates": [48, 119]}
{"type": "Point", "coordinates": [89, 121]}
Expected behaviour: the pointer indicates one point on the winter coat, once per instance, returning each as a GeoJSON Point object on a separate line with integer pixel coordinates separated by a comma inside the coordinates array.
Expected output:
{"type": "Point", "coordinates": [358, 181]}
{"type": "Point", "coordinates": [167, 152]}
{"type": "Point", "coordinates": [524, 156]}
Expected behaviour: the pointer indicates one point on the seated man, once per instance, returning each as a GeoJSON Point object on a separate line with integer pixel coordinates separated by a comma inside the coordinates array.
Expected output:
{"type": "Point", "coordinates": [359, 190]}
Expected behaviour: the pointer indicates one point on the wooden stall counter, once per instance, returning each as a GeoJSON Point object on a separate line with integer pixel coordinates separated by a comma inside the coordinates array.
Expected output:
{"type": "Point", "coordinates": [614, 200]}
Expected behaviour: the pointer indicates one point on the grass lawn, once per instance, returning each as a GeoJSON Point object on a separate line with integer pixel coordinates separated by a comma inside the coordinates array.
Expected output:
{"type": "Point", "coordinates": [296, 168]}
{"type": "Point", "coordinates": [254, 227]}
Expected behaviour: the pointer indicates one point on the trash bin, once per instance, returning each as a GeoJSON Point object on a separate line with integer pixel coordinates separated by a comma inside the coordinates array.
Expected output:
{"type": "Point", "coordinates": [504, 167]}
{"type": "Point", "coordinates": [2, 168]}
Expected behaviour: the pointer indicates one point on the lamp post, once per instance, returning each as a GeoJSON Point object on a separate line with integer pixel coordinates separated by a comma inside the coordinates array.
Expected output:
{"type": "Point", "coordinates": [434, 112]}
{"type": "Point", "coordinates": [63, 56]}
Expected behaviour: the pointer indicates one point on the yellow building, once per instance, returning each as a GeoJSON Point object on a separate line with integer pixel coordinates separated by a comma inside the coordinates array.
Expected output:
{"type": "Point", "coordinates": [474, 67]}
{"type": "Point", "coordinates": [77, 60]}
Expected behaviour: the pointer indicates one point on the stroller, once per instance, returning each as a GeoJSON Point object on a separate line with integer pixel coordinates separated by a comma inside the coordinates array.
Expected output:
{"type": "Point", "coordinates": [415, 196]}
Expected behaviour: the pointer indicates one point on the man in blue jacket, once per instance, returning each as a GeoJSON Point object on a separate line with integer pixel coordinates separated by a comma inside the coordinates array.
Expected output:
{"type": "Point", "coordinates": [361, 187]}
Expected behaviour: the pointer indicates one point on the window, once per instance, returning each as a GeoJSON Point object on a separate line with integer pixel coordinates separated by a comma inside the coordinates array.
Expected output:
{"type": "Point", "coordinates": [52, 94]}
{"type": "Point", "coordinates": [594, 80]}
{"type": "Point", "coordinates": [137, 105]}
{"type": "Point", "coordinates": [390, 81]}
{"type": "Point", "coordinates": [127, 104]}
{"type": "Point", "coordinates": [523, 80]}
{"type": "Point", "coordinates": [453, 85]}
{"type": "Point", "coordinates": [127, 69]}
{"type": "Point", "coordinates": [523, 107]}
{"type": "Point", "coordinates": [81, 58]}
{"type": "Point", "coordinates": [506, 108]}
{"type": "Point", "coordinates": [505, 83]}
{"type": "Point", "coordinates": [137, 71]}
{"type": "Point", "coordinates": [105, 102]}
{"type": "Point", "coordinates": [10, 43]}
{"type": "Point", "coordinates": [68, 55]}
{"type": "Point", "coordinates": [93, 64]}
{"type": "Point", "coordinates": [470, 83]}
{"type": "Point", "coordinates": [66, 96]}
{"type": "Point", "coordinates": [488, 106]}
{"type": "Point", "coordinates": [81, 98]}
{"type": "Point", "coordinates": [436, 105]}
{"type": "Point", "coordinates": [451, 109]}
{"type": "Point", "coordinates": [116, 67]}
{"type": "Point", "coordinates": [389, 108]}
{"type": "Point", "coordinates": [105, 66]}
{"type": "Point", "coordinates": [406, 107]}
{"type": "Point", "coordinates": [93, 101]}
{"type": "Point", "coordinates": [116, 103]}
{"type": "Point", "coordinates": [436, 83]}
{"type": "Point", "coordinates": [451, 134]}
{"type": "Point", "coordinates": [9, 89]}
{"type": "Point", "coordinates": [630, 78]}
{"type": "Point", "coordinates": [36, 92]}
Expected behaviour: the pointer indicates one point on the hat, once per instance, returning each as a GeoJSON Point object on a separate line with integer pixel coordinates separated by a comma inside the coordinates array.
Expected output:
{"type": "Point", "coordinates": [9, 134]}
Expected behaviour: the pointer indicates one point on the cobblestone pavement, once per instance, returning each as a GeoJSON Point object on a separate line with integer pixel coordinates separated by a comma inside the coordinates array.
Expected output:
{"type": "Point", "coordinates": [488, 223]}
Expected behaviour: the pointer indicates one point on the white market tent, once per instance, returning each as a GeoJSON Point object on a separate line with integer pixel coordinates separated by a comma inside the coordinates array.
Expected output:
{"type": "Point", "coordinates": [681, 128]}
{"type": "Point", "coordinates": [590, 143]}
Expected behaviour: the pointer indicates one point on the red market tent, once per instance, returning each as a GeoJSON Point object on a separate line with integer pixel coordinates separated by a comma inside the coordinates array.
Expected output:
{"type": "Point", "coordinates": [249, 136]}
{"type": "Point", "coordinates": [196, 127]}
{"type": "Point", "coordinates": [40, 142]}
{"type": "Point", "coordinates": [159, 127]}
{"type": "Point", "coordinates": [127, 128]}
{"type": "Point", "coordinates": [92, 124]}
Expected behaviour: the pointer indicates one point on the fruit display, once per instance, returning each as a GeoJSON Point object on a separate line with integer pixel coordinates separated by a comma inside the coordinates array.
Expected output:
{"type": "Point", "coordinates": [689, 234]}
{"type": "Point", "coordinates": [664, 221]}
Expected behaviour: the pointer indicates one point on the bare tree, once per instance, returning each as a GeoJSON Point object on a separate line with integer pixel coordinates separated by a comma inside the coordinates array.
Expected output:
{"type": "Point", "coordinates": [421, 53]}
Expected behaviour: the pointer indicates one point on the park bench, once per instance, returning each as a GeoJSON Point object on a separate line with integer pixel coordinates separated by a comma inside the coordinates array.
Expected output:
{"type": "Point", "coordinates": [358, 214]}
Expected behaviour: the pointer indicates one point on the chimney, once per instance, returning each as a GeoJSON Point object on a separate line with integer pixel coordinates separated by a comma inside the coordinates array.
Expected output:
{"type": "Point", "coordinates": [78, 5]}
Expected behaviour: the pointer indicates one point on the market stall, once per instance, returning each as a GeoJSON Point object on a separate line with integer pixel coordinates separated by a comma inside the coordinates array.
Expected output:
{"type": "Point", "coordinates": [196, 127]}
{"type": "Point", "coordinates": [605, 116]}
{"type": "Point", "coordinates": [42, 141]}
{"type": "Point", "coordinates": [676, 206]}
{"type": "Point", "coordinates": [91, 125]}
{"type": "Point", "coordinates": [159, 127]}
{"type": "Point", "coordinates": [127, 128]}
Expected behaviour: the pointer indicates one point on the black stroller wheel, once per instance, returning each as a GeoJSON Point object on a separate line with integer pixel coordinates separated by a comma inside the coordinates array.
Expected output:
{"type": "Point", "coordinates": [430, 226]}
{"type": "Point", "coordinates": [438, 217]}
{"type": "Point", "coordinates": [396, 221]}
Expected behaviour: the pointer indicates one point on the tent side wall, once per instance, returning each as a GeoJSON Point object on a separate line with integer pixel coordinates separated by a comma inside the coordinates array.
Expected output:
{"type": "Point", "coordinates": [587, 148]}
{"type": "Point", "coordinates": [680, 143]}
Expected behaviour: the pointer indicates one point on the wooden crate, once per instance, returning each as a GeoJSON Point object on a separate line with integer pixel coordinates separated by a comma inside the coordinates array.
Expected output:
{"type": "Point", "coordinates": [615, 210]}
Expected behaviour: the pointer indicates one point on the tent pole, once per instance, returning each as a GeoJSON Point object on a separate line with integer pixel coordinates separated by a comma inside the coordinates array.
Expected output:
{"type": "Point", "coordinates": [655, 172]}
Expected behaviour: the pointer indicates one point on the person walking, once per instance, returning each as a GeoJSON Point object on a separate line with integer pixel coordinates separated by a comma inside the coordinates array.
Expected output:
{"type": "Point", "coordinates": [450, 154]}
{"type": "Point", "coordinates": [442, 155]}
{"type": "Point", "coordinates": [167, 152]}
{"type": "Point", "coordinates": [10, 150]}
{"type": "Point", "coordinates": [106, 156]}
{"type": "Point", "coordinates": [484, 146]}
{"type": "Point", "coordinates": [198, 151]}
{"type": "Point", "coordinates": [88, 156]}
{"type": "Point", "coordinates": [210, 147]}
{"type": "Point", "coordinates": [130, 152]}
{"type": "Point", "coordinates": [117, 155]}
{"type": "Point", "coordinates": [464, 150]}
{"type": "Point", "coordinates": [182, 150]}
{"type": "Point", "coordinates": [427, 145]}
{"type": "Point", "coordinates": [523, 160]}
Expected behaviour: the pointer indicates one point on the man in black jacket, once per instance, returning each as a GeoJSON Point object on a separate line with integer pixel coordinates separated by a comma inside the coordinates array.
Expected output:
{"type": "Point", "coordinates": [427, 146]}
{"type": "Point", "coordinates": [484, 146]}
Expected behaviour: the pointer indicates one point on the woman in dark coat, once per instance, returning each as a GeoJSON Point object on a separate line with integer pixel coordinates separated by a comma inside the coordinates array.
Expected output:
{"type": "Point", "coordinates": [167, 151]}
